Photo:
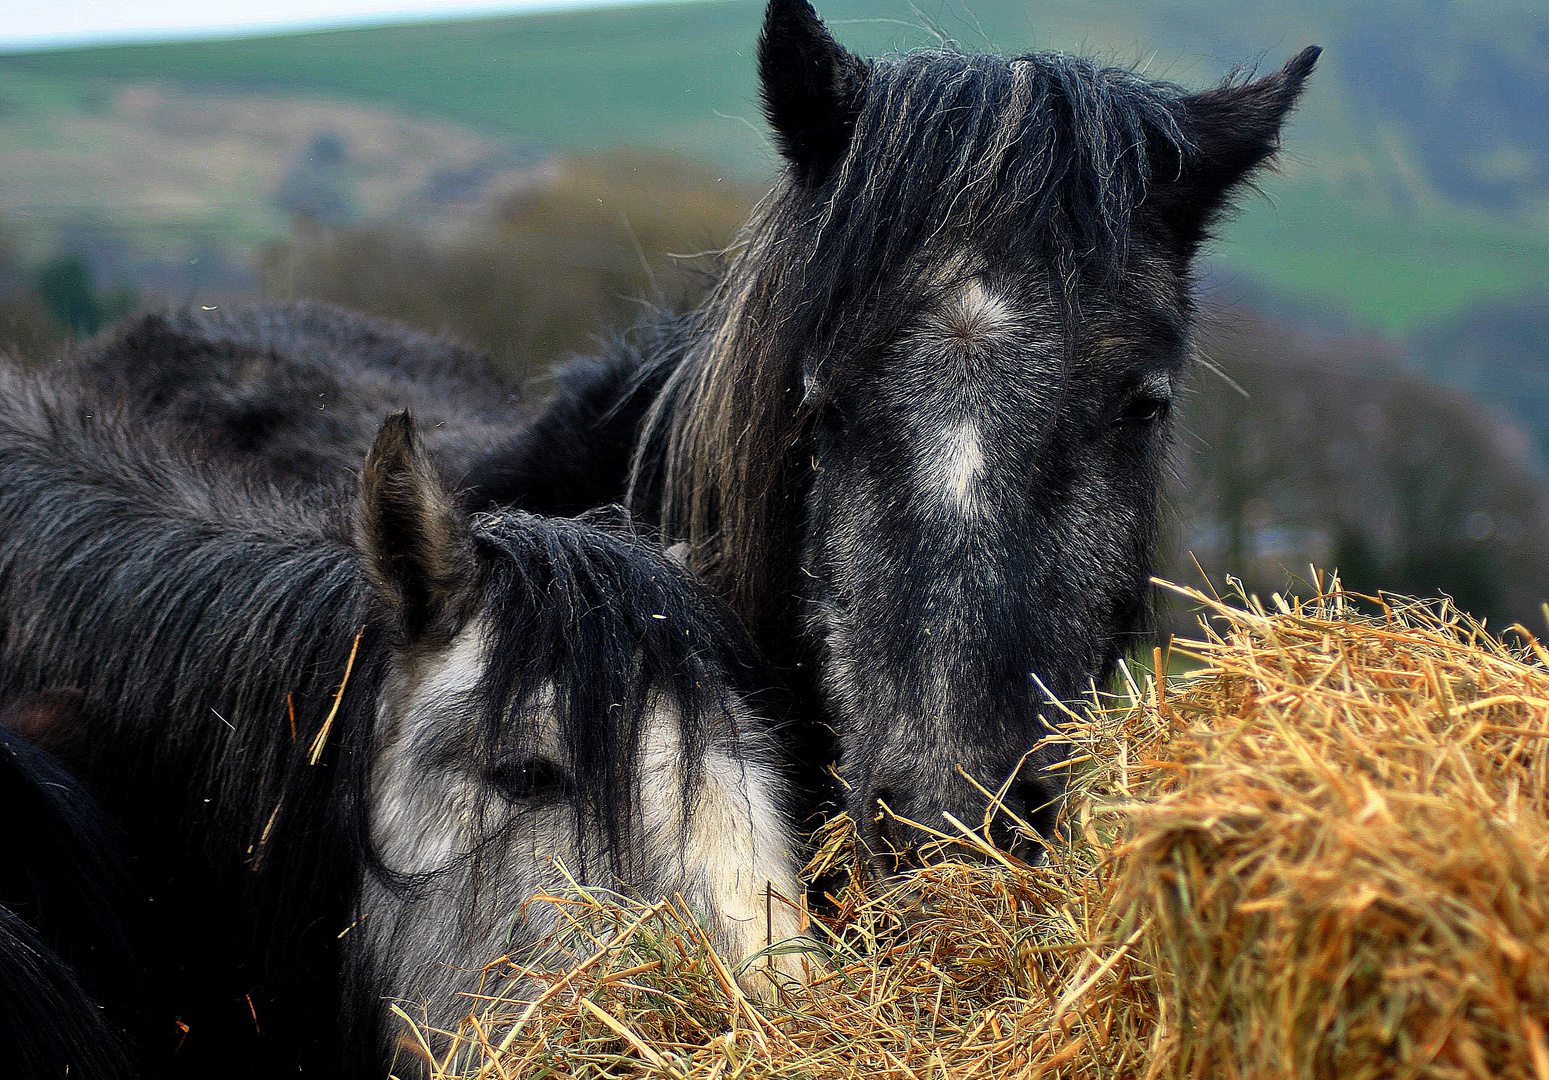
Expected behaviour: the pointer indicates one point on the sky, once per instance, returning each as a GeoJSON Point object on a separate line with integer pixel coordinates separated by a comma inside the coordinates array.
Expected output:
{"type": "Point", "coordinates": [30, 24]}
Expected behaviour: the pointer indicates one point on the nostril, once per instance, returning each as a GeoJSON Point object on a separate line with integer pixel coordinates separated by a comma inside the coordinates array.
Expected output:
{"type": "Point", "coordinates": [1036, 804]}
{"type": "Point", "coordinates": [891, 839]}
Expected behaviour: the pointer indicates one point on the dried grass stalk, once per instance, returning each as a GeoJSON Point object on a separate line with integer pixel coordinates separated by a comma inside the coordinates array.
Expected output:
{"type": "Point", "coordinates": [1344, 849]}
{"type": "Point", "coordinates": [1324, 854]}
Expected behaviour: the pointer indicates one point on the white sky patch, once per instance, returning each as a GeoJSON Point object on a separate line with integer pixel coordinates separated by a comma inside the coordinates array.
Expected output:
{"type": "Point", "coordinates": [84, 22]}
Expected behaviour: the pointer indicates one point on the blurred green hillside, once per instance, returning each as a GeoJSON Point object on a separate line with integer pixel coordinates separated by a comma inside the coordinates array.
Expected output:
{"type": "Point", "coordinates": [1416, 181]}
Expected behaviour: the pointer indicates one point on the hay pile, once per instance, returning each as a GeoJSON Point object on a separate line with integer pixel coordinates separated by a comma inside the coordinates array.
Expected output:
{"type": "Point", "coordinates": [1324, 854]}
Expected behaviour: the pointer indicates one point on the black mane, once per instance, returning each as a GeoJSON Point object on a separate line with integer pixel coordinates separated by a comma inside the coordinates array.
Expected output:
{"type": "Point", "coordinates": [71, 922]}
{"type": "Point", "coordinates": [208, 623]}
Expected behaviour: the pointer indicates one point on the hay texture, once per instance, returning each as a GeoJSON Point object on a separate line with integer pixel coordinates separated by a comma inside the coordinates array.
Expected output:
{"type": "Point", "coordinates": [1325, 853]}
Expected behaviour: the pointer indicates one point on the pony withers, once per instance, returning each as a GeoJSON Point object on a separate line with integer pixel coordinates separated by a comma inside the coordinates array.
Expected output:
{"type": "Point", "coordinates": [354, 735]}
{"type": "Point", "coordinates": [917, 432]}
{"type": "Point", "coordinates": [297, 391]}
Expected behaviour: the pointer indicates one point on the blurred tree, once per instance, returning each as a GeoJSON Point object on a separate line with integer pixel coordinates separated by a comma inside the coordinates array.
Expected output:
{"type": "Point", "coordinates": [27, 333]}
{"type": "Point", "coordinates": [564, 259]}
{"type": "Point", "coordinates": [1498, 350]}
{"type": "Point", "coordinates": [314, 191]}
{"type": "Point", "coordinates": [66, 288]}
{"type": "Point", "coordinates": [1329, 454]}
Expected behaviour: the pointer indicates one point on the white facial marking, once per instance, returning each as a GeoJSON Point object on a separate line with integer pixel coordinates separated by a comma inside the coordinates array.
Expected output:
{"type": "Point", "coordinates": [482, 857]}
{"type": "Point", "coordinates": [410, 821]}
{"type": "Point", "coordinates": [958, 463]}
{"type": "Point", "coordinates": [951, 412]}
{"type": "Point", "coordinates": [976, 313]}
{"type": "Point", "coordinates": [736, 852]}
{"type": "Point", "coordinates": [745, 849]}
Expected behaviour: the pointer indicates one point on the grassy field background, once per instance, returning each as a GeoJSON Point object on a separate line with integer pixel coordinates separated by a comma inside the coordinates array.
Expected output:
{"type": "Point", "coordinates": [1362, 219]}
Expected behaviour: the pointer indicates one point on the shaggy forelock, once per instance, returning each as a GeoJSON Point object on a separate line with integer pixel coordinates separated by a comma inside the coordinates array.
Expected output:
{"type": "Point", "coordinates": [627, 632]}
{"type": "Point", "coordinates": [1046, 153]}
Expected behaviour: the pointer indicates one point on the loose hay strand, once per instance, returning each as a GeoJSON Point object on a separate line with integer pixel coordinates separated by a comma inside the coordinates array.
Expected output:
{"type": "Point", "coordinates": [1325, 854]}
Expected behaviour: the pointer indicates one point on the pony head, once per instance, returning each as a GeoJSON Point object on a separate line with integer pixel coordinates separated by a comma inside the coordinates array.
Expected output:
{"type": "Point", "coordinates": [564, 706]}
{"type": "Point", "coordinates": [929, 412]}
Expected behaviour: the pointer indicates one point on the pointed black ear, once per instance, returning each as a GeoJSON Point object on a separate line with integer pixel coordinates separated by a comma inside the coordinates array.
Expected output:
{"type": "Point", "coordinates": [1229, 131]}
{"type": "Point", "coordinates": [811, 88]}
{"type": "Point", "coordinates": [418, 549]}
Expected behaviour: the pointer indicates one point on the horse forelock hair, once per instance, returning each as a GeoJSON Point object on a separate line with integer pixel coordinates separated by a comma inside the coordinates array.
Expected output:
{"type": "Point", "coordinates": [1043, 155]}
{"type": "Point", "coordinates": [608, 639]}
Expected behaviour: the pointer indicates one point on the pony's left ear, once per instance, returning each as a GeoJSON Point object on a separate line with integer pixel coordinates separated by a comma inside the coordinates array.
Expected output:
{"type": "Point", "coordinates": [418, 548]}
{"type": "Point", "coordinates": [810, 86]}
{"type": "Point", "coordinates": [1229, 133]}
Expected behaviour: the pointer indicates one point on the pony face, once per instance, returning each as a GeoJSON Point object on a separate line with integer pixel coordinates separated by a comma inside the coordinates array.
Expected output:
{"type": "Point", "coordinates": [975, 280]}
{"type": "Point", "coordinates": [982, 506]}
{"type": "Point", "coordinates": [582, 723]}
{"type": "Point", "coordinates": [471, 824]}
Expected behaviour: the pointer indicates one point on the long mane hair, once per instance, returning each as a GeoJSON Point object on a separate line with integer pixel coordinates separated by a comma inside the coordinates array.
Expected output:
{"type": "Point", "coordinates": [230, 651]}
{"type": "Point", "coordinates": [1047, 153]}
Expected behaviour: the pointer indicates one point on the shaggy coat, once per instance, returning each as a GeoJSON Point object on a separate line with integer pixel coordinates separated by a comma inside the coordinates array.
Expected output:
{"type": "Point", "coordinates": [298, 390]}
{"type": "Point", "coordinates": [354, 734]}
{"type": "Point", "coordinates": [916, 435]}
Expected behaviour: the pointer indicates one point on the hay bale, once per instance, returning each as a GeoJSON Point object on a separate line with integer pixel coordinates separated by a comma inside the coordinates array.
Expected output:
{"type": "Point", "coordinates": [1324, 854]}
{"type": "Point", "coordinates": [1342, 853]}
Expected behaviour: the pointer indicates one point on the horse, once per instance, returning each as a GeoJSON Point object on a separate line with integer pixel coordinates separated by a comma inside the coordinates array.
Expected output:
{"type": "Point", "coordinates": [354, 733]}
{"type": "Point", "coordinates": [298, 390]}
{"type": "Point", "coordinates": [916, 433]}
{"type": "Point", "coordinates": [71, 919]}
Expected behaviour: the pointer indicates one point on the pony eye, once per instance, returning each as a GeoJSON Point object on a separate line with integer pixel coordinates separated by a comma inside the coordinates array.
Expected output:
{"type": "Point", "coordinates": [1143, 409]}
{"type": "Point", "coordinates": [529, 780]}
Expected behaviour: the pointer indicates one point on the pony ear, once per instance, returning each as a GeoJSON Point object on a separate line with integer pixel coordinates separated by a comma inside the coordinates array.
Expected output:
{"type": "Point", "coordinates": [810, 86]}
{"type": "Point", "coordinates": [418, 548]}
{"type": "Point", "coordinates": [1229, 132]}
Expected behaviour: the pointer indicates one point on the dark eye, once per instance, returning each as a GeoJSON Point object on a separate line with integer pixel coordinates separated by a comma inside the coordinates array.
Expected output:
{"type": "Point", "coordinates": [1142, 409]}
{"type": "Point", "coordinates": [529, 780]}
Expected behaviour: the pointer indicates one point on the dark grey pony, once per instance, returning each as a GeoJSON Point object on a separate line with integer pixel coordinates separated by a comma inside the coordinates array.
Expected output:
{"type": "Point", "coordinates": [297, 391]}
{"type": "Point", "coordinates": [917, 433]}
{"type": "Point", "coordinates": [352, 735]}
